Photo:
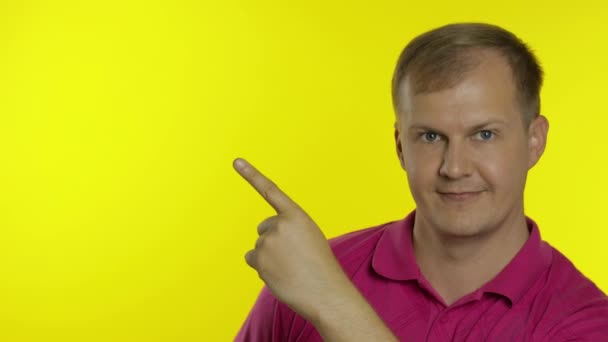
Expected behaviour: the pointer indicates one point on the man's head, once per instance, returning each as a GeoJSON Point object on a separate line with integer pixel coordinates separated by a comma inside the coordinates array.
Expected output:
{"type": "Point", "coordinates": [468, 127]}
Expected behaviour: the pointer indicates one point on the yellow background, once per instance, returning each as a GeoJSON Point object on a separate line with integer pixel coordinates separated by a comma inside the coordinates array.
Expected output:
{"type": "Point", "coordinates": [121, 218]}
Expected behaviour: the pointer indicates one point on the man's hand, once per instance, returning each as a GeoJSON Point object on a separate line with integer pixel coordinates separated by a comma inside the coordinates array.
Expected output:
{"type": "Point", "coordinates": [295, 261]}
{"type": "Point", "coordinates": [292, 256]}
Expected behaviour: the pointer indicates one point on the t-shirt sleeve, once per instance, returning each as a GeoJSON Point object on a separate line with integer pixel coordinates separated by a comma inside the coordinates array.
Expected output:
{"type": "Point", "coordinates": [588, 324]}
{"type": "Point", "coordinates": [269, 321]}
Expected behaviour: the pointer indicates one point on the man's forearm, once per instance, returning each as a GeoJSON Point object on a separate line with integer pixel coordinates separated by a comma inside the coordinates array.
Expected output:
{"type": "Point", "coordinates": [351, 318]}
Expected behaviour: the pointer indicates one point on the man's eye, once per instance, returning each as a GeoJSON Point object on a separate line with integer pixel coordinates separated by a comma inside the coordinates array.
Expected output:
{"type": "Point", "coordinates": [485, 135]}
{"type": "Point", "coordinates": [430, 136]}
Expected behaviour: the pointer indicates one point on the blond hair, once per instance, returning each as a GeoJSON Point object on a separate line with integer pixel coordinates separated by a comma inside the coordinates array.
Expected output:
{"type": "Point", "coordinates": [439, 59]}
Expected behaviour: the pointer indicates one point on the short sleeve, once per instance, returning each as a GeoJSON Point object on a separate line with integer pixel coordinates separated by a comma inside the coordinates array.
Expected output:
{"type": "Point", "coordinates": [272, 321]}
{"type": "Point", "coordinates": [587, 324]}
{"type": "Point", "coordinates": [259, 324]}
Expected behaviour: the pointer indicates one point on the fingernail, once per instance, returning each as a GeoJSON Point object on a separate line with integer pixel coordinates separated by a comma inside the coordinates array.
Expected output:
{"type": "Point", "coordinates": [240, 163]}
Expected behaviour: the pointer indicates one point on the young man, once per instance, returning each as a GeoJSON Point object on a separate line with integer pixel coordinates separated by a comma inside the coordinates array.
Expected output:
{"type": "Point", "coordinates": [466, 264]}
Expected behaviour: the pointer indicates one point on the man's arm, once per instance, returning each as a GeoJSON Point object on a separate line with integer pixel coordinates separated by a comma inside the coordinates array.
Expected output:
{"type": "Point", "coordinates": [351, 318]}
{"type": "Point", "coordinates": [271, 320]}
{"type": "Point", "coordinates": [293, 258]}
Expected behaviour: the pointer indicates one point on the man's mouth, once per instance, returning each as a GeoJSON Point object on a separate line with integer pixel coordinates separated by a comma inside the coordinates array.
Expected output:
{"type": "Point", "coordinates": [460, 196]}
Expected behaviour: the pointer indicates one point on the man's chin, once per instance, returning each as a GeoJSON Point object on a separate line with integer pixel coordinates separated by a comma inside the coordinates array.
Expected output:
{"type": "Point", "coordinates": [459, 227]}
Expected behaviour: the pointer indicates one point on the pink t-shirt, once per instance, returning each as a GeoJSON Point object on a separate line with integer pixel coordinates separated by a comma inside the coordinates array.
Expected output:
{"type": "Point", "coordinates": [538, 296]}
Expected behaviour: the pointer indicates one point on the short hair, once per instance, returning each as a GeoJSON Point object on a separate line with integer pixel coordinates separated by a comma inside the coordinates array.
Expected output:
{"type": "Point", "coordinates": [439, 59]}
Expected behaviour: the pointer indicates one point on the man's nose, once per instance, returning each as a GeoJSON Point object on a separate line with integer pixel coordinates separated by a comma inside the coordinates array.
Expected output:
{"type": "Point", "coordinates": [456, 161]}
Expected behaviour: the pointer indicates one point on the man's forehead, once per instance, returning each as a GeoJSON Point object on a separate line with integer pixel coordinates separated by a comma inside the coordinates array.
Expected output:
{"type": "Point", "coordinates": [453, 112]}
{"type": "Point", "coordinates": [481, 97]}
{"type": "Point", "coordinates": [477, 63]}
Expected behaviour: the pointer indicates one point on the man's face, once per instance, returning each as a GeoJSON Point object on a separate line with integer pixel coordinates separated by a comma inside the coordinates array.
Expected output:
{"type": "Point", "coordinates": [466, 150]}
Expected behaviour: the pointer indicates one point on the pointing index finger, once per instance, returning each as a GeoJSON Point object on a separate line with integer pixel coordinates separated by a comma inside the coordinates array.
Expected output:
{"type": "Point", "coordinates": [265, 187]}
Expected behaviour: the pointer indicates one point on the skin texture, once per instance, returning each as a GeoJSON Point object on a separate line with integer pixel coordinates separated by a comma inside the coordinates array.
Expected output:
{"type": "Point", "coordinates": [466, 152]}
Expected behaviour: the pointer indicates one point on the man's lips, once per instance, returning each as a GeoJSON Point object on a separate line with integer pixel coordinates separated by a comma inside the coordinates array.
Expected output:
{"type": "Point", "coordinates": [460, 196]}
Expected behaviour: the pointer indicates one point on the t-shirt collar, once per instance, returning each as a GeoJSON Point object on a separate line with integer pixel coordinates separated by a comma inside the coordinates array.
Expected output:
{"type": "Point", "coordinates": [394, 259]}
{"type": "Point", "coordinates": [394, 255]}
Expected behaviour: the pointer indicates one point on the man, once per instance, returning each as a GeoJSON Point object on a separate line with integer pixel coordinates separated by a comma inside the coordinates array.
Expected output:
{"type": "Point", "coordinates": [466, 264]}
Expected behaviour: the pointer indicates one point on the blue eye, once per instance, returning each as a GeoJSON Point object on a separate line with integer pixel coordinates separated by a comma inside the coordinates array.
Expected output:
{"type": "Point", "coordinates": [486, 135]}
{"type": "Point", "coordinates": [430, 136]}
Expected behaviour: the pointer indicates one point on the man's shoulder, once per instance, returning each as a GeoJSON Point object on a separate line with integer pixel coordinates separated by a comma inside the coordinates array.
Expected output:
{"type": "Point", "coordinates": [574, 305]}
{"type": "Point", "coordinates": [356, 247]}
{"type": "Point", "coordinates": [355, 239]}
{"type": "Point", "coordinates": [570, 282]}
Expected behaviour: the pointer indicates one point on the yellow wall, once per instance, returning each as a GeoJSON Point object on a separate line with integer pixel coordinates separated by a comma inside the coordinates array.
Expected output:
{"type": "Point", "coordinates": [121, 218]}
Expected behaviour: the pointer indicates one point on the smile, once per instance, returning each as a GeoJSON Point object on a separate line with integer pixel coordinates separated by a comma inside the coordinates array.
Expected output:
{"type": "Point", "coordinates": [460, 196]}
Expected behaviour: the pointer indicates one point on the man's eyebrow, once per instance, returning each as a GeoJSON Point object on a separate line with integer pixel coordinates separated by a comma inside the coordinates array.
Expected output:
{"type": "Point", "coordinates": [489, 123]}
{"type": "Point", "coordinates": [425, 127]}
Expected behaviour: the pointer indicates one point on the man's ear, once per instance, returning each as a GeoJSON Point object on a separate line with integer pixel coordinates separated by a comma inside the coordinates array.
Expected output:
{"type": "Point", "coordinates": [398, 146]}
{"type": "Point", "coordinates": [537, 139]}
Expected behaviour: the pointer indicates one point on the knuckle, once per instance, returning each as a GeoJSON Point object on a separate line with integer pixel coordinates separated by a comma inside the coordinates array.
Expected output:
{"type": "Point", "coordinates": [266, 225]}
{"type": "Point", "coordinates": [250, 258]}
{"type": "Point", "coordinates": [268, 242]}
{"type": "Point", "coordinates": [262, 228]}
{"type": "Point", "coordinates": [259, 243]}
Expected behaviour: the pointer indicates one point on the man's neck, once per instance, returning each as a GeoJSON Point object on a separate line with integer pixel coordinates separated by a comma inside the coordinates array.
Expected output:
{"type": "Point", "coordinates": [456, 267]}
